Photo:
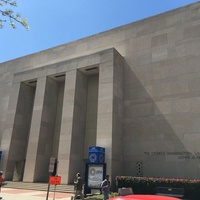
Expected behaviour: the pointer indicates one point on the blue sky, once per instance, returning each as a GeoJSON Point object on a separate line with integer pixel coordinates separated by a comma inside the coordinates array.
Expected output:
{"type": "Point", "coordinates": [57, 22]}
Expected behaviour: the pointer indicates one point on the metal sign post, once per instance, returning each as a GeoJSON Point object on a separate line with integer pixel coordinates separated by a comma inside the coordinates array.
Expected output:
{"type": "Point", "coordinates": [54, 192]}
{"type": "Point", "coordinates": [48, 191]}
{"type": "Point", "coordinates": [54, 180]}
{"type": "Point", "coordinates": [53, 171]}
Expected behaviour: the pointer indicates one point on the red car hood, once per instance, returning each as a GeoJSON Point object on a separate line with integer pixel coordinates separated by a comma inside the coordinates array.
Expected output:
{"type": "Point", "coordinates": [143, 197]}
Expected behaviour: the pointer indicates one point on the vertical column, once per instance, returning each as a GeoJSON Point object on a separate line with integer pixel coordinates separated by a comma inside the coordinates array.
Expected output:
{"type": "Point", "coordinates": [7, 132]}
{"type": "Point", "coordinates": [42, 131]}
{"type": "Point", "coordinates": [21, 130]}
{"type": "Point", "coordinates": [71, 146]}
{"type": "Point", "coordinates": [105, 106]}
{"type": "Point", "coordinates": [31, 156]}
{"type": "Point", "coordinates": [66, 126]}
{"type": "Point", "coordinates": [117, 140]}
{"type": "Point", "coordinates": [110, 110]}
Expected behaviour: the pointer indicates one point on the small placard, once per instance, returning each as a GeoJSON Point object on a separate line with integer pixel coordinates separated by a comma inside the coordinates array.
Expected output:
{"type": "Point", "coordinates": [52, 165]}
{"type": "Point", "coordinates": [55, 180]}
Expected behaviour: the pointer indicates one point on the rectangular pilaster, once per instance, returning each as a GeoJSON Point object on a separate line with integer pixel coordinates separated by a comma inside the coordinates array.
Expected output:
{"type": "Point", "coordinates": [47, 131]}
{"type": "Point", "coordinates": [42, 131]}
{"type": "Point", "coordinates": [7, 132]}
{"type": "Point", "coordinates": [66, 126]}
{"type": "Point", "coordinates": [110, 110]}
{"type": "Point", "coordinates": [33, 143]}
{"type": "Point", "coordinates": [71, 146]}
{"type": "Point", "coordinates": [20, 134]}
{"type": "Point", "coordinates": [117, 147]}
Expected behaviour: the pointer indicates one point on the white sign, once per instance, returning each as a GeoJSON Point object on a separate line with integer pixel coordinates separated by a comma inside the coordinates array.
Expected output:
{"type": "Point", "coordinates": [95, 176]}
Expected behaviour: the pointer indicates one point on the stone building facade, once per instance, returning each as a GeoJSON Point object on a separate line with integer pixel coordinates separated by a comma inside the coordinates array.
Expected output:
{"type": "Point", "coordinates": [134, 90]}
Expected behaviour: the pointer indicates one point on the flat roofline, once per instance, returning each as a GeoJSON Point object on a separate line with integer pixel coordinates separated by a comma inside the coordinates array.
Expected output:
{"type": "Point", "coordinates": [107, 32]}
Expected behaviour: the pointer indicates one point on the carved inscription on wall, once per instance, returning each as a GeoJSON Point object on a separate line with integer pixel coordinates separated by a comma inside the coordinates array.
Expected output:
{"type": "Point", "coordinates": [178, 154]}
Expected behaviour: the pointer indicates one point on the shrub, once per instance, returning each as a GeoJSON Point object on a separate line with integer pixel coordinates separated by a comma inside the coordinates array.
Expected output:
{"type": "Point", "coordinates": [147, 185]}
{"type": "Point", "coordinates": [100, 196]}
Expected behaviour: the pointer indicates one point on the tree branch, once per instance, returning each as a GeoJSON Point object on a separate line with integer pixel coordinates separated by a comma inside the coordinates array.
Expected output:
{"type": "Point", "coordinates": [10, 14]}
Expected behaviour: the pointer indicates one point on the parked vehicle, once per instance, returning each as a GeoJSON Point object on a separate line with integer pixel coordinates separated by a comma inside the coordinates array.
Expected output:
{"type": "Point", "coordinates": [143, 197]}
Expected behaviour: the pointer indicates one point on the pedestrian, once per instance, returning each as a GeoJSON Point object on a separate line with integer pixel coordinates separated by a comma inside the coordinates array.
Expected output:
{"type": "Point", "coordinates": [105, 187]}
{"type": "Point", "coordinates": [78, 186]}
{"type": "Point", "coordinates": [1, 181]}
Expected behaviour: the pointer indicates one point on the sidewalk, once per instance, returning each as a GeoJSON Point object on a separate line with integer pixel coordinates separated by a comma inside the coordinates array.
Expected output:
{"type": "Point", "coordinates": [21, 194]}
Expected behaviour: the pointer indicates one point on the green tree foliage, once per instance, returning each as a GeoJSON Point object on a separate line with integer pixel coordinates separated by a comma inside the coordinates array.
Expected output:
{"type": "Point", "coordinates": [7, 13]}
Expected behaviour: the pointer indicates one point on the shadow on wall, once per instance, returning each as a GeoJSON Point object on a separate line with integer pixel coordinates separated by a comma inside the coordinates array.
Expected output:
{"type": "Point", "coordinates": [161, 125]}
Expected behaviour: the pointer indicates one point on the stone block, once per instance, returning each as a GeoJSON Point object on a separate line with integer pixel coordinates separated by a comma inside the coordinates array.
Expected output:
{"type": "Point", "coordinates": [125, 191]}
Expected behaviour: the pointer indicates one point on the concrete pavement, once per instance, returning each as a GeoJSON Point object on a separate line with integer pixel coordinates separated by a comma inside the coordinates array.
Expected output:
{"type": "Point", "coordinates": [22, 194]}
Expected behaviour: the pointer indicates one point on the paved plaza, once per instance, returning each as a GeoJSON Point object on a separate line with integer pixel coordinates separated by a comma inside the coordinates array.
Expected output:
{"type": "Point", "coordinates": [21, 194]}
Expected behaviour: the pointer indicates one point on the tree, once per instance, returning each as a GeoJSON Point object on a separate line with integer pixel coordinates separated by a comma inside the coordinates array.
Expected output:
{"type": "Point", "coordinates": [7, 12]}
